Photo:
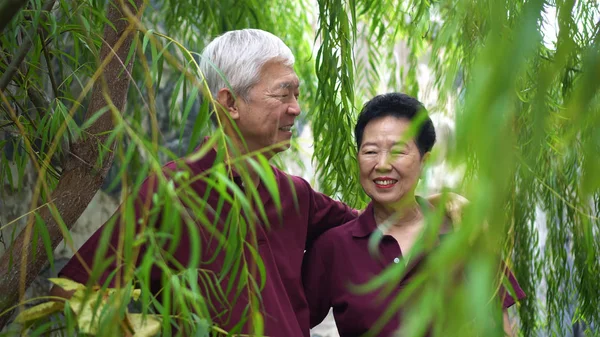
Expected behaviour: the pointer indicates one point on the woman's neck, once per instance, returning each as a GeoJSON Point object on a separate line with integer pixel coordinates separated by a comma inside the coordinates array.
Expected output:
{"type": "Point", "coordinates": [406, 213]}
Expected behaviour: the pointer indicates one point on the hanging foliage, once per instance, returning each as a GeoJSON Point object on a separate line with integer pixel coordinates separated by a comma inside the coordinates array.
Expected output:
{"type": "Point", "coordinates": [522, 76]}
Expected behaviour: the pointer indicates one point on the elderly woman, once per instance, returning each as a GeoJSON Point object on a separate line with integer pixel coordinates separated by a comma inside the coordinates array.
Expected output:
{"type": "Point", "coordinates": [390, 163]}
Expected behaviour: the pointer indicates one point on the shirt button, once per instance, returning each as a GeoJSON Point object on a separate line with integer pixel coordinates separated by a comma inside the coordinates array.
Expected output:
{"type": "Point", "coordinates": [396, 260]}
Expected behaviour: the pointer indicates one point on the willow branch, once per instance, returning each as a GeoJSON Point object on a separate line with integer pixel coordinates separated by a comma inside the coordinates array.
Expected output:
{"type": "Point", "coordinates": [14, 65]}
{"type": "Point", "coordinates": [8, 10]}
{"type": "Point", "coordinates": [39, 100]}
{"type": "Point", "coordinates": [78, 183]}
{"type": "Point", "coordinates": [48, 63]}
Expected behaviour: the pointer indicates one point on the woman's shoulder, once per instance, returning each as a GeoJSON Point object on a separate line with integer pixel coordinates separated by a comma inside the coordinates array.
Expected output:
{"type": "Point", "coordinates": [452, 203]}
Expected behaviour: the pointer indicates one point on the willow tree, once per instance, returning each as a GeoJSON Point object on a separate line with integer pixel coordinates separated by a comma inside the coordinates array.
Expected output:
{"type": "Point", "coordinates": [527, 114]}
{"type": "Point", "coordinates": [527, 117]}
{"type": "Point", "coordinates": [53, 53]}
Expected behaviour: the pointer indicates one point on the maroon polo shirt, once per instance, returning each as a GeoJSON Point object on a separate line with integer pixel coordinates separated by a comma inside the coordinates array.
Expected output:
{"type": "Point", "coordinates": [281, 244]}
{"type": "Point", "coordinates": [341, 257]}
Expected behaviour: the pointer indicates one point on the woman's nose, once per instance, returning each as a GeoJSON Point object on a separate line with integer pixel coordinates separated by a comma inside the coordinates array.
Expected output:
{"type": "Point", "coordinates": [383, 162]}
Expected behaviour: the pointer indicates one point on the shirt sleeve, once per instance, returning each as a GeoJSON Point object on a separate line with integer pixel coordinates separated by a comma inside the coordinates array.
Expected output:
{"type": "Point", "coordinates": [316, 272]}
{"type": "Point", "coordinates": [106, 241]}
{"type": "Point", "coordinates": [507, 299]}
{"type": "Point", "coordinates": [325, 213]}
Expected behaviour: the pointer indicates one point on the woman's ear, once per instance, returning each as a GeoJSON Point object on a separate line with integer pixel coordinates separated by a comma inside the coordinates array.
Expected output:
{"type": "Point", "coordinates": [227, 101]}
{"type": "Point", "coordinates": [425, 157]}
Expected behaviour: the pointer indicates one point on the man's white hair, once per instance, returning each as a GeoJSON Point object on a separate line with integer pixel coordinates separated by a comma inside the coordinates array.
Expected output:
{"type": "Point", "coordinates": [237, 57]}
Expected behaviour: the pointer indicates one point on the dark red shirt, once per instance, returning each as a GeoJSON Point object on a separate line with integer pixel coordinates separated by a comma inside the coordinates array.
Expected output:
{"type": "Point", "coordinates": [305, 215]}
{"type": "Point", "coordinates": [341, 257]}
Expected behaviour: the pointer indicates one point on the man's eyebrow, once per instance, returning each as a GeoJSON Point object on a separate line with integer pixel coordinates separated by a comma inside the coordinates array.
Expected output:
{"type": "Point", "coordinates": [289, 84]}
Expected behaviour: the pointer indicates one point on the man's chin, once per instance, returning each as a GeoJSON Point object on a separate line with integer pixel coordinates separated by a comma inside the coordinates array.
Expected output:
{"type": "Point", "coordinates": [282, 144]}
{"type": "Point", "coordinates": [280, 147]}
{"type": "Point", "coordinates": [274, 148]}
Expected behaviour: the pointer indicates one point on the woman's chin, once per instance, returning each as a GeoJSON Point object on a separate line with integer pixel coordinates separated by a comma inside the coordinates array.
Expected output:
{"type": "Point", "coordinates": [386, 202]}
{"type": "Point", "coordinates": [392, 203]}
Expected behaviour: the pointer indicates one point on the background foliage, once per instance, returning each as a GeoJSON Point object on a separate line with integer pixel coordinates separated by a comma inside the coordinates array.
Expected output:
{"type": "Point", "coordinates": [526, 113]}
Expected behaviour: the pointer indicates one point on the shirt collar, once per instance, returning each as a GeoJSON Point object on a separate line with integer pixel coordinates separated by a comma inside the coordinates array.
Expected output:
{"type": "Point", "coordinates": [210, 159]}
{"type": "Point", "coordinates": [365, 223]}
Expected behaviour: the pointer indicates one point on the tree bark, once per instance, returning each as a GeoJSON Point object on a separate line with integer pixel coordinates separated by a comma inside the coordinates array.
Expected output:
{"type": "Point", "coordinates": [83, 175]}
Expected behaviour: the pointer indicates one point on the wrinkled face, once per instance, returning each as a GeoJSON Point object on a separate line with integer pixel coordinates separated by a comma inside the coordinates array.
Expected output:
{"type": "Point", "coordinates": [390, 164]}
{"type": "Point", "coordinates": [267, 115]}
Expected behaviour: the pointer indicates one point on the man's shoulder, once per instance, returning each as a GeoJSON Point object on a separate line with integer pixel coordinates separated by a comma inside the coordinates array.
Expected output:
{"type": "Point", "coordinates": [173, 170]}
{"type": "Point", "coordinates": [281, 174]}
{"type": "Point", "coordinates": [286, 179]}
{"type": "Point", "coordinates": [339, 235]}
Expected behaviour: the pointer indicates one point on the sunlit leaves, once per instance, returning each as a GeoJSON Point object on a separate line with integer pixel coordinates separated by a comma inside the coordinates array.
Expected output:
{"type": "Point", "coordinates": [143, 326]}
{"type": "Point", "coordinates": [38, 311]}
{"type": "Point", "coordinates": [90, 310]}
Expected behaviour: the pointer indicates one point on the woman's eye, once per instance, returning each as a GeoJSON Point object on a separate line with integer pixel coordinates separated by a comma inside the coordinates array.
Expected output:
{"type": "Point", "coordinates": [398, 151]}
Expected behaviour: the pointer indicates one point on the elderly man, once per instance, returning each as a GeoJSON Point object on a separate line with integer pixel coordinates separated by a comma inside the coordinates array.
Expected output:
{"type": "Point", "coordinates": [258, 95]}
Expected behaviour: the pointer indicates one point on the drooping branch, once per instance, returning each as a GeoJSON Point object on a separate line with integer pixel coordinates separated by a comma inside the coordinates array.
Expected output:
{"type": "Point", "coordinates": [49, 64]}
{"type": "Point", "coordinates": [79, 181]}
{"type": "Point", "coordinates": [14, 65]}
{"type": "Point", "coordinates": [39, 100]}
{"type": "Point", "coordinates": [8, 10]}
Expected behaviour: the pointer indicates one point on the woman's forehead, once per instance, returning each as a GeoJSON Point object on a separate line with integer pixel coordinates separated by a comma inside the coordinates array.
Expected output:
{"type": "Point", "coordinates": [387, 132]}
{"type": "Point", "coordinates": [386, 127]}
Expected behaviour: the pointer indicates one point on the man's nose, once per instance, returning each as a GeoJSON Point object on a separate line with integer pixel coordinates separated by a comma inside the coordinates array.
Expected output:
{"type": "Point", "coordinates": [294, 107]}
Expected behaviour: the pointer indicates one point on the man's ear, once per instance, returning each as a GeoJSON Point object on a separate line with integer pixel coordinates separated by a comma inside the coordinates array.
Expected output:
{"type": "Point", "coordinates": [227, 101]}
{"type": "Point", "coordinates": [425, 157]}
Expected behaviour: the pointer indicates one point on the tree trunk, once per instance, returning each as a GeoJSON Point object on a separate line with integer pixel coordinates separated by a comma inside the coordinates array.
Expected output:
{"type": "Point", "coordinates": [83, 174]}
